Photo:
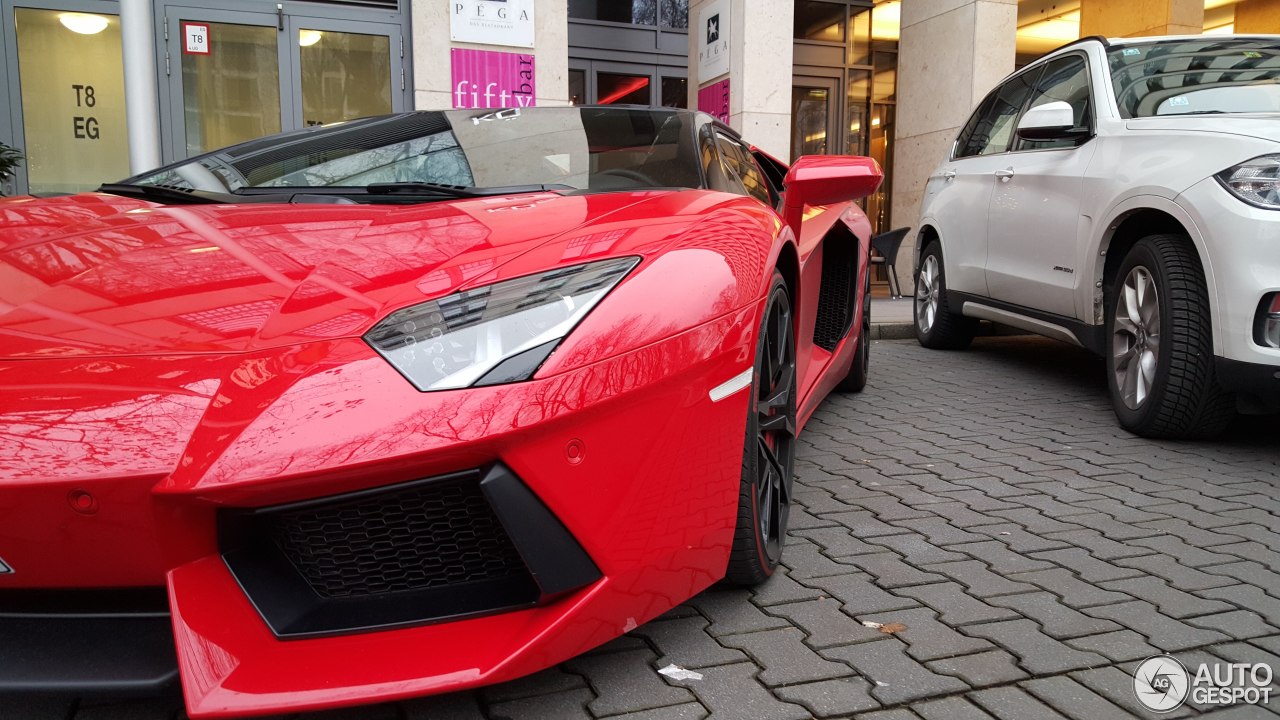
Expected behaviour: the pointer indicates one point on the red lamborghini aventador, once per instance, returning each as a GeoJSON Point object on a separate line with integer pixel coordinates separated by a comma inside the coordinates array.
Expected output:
{"type": "Point", "coordinates": [408, 404]}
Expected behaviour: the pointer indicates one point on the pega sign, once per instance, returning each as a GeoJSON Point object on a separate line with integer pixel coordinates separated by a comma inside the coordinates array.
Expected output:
{"type": "Point", "coordinates": [488, 79]}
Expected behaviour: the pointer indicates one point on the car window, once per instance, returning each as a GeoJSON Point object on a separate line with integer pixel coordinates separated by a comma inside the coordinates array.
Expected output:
{"type": "Point", "coordinates": [1064, 80]}
{"type": "Point", "coordinates": [993, 124]}
{"type": "Point", "coordinates": [774, 172]}
{"type": "Point", "coordinates": [738, 161]}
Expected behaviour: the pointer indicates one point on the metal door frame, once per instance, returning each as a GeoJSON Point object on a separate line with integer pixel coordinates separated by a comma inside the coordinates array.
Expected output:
{"type": "Point", "coordinates": [836, 133]}
{"type": "Point", "coordinates": [395, 45]}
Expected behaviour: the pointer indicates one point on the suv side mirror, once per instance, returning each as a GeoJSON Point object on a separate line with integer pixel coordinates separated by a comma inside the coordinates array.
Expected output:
{"type": "Point", "coordinates": [826, 179]}
{"type": "Point", "coordinates": [1051, 121]}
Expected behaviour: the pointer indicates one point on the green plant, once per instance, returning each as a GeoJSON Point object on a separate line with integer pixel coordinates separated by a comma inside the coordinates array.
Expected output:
{"type": "Point", "coordinates": [10, 159]}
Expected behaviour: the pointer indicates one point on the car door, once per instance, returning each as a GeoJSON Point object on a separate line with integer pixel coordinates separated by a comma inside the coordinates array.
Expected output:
{"type": "Point", "coordinates": [958, 195]}
{"type": "Point", "coordinates": [1034, 220]}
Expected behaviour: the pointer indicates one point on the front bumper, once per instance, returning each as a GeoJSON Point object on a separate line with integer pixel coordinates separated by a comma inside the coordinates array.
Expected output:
{"type": "Point", "coordinates": [630, 455]}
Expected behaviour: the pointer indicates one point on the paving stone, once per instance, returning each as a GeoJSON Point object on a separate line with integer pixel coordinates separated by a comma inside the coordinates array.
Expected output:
{"type": "Point", "coordinates": [961, 515]}
{"type": "Point", "coordinates": [1103, 548]}
{"type": "Point", "coordinates": [551, 680]}
{"type": "Point", "coordinates": [1251, 551]}
{"type": "Point", "coordinates": [1239, 624]}
{"type": "Point", "coordinates": [836, 541]}
{"type": "Point", "coordinates": [781, 589]}
{"type": "Point", "coordinates": [1000, 558]}
{"type": "Point", "coordinates": [1251, 573]}
{"type": "Point", "coordinates": [889, 570]}
{"type": "Point", "coordinates": [952, 708]}
{"type": "Point", "coordinates": [1053, 508]}
{"type": "Point", "coordinates": [825, 624]}
{"type": "Point", "coordinates": [830, 698]}
{"type": "Point", "coordinates": [916, 549]}
{"type": "Point", "coordinates": [1085, 565]}
{"type": "Point", "coordinates": [688, 711]}
{"type": "Point", "coordinates": [1179, 576]}
{"type": "Point", "coordinates": [1270, 644]}
{"type": "Point", "coordinates": [1019, 539]}
{"type": "Point", "coordinates": [896, 678]}
{"type": "Point", "coordinates": [941, 532]}
{"type": "Point", "coordinates": [568, 705]}
{"type": "Point", "coordinates": [979, 501]}
{"type": "Point", "coordinates": [860, 595]}
{"type": "Point", "coordinates": [979, 580]}
{"type": "Point", "coordinates": [1073, 591]}
{"type": "Point", "coordinates": [1110, 527]}
{"type": "Point", "coordinates": [897, 714]}
{"type": "Point", "coordinates": [1011, 703]}
{"type": "Point", "coordinates": [1242, 652]}
{"type": "Point", "coordinates": [731, 692]}
{"type": "Point", "coordinates": [804, 560]}
{"type": "Point", "coordinates": [889, 509]}
{"type": "Point", "coordinates": [1118, 646]}
{"type": "Point", "coordinates": [1163, 632]}
{"type": "Point", "coordinates": [625, 682]}
{"type": "Point", "coordinates": [454, 706]}
{"type": "Point", "coordinates": [1055, 619]}
{"type": "Point", "coordinates": [730, 612]}
{"type": "Point", "coordinates": [1192, 535]}
{"type": "Point", "coordinates": [863, 523]}
{"type": "Point", "coordinates": [685, 642]}
{"type": "Point", "coordinates": [1200, 500]}
{"type": "Point", "coordinates": [993, 667]}
{"type": "Point", "coordinates": [785, 658]}
{"type": "Point", "coordinates": [1116, 685]}
{"type": "Point", "coordinates": [1034, 521]}
{"type": "Point", "coordinates": [1199, 518]}
{"type": "Point", "coordinates": [1074, 700]}
{"type": "Point", "coordinates": [1242, 712]}
{"type": "Point", "coordinates": [927, 639]}
{"type": "Point", "coordinates": [1171, 601]}
{"type": "Point", "coordinates": [956, 606]}
{"type": "Point", "coordinates": [1037, 653]}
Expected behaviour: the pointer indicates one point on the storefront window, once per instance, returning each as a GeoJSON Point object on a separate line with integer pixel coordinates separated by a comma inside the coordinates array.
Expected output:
{"type": "Point", "coordinates": [675, 92]}
{"type": "Point", "coordinates": [672, 13]}
{"type": "Point", "coordinates": [675, 14]}
{"type": "Point", "coordinates": [72, 82]}
{"type": "Point", "coordinates": [344, 75]}
{"type": "Point", "coordinates": [860, 37]}
{"type": "Point", "coordinates": [859, 96]}
{"type": "Point", "coordinates": [577, 87]}
{"type": "Point", "coordinates": [819, 21]}
{"type": "Point", "coordinates": [232, 93]}
{"type": "Point", "coordinates": [810, 109]}
{"type": "Point", "coordinates": [885, 87]}
{"type": "Point", "coordinates": [618, 89]}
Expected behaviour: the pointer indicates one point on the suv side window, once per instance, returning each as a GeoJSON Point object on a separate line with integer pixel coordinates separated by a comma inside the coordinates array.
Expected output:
{"type": "Point", "coordinates": [990, 130]}
{"type": "Point", "coordinates": [1066, 80]}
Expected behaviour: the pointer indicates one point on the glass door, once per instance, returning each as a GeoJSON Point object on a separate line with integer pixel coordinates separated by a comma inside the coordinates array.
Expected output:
{"type": "Point", "coordinates": [345, 70]}
{"type": "Point", "coordinates": [815, 107]}
{"type": "Point", "coordinates": [225, 78]}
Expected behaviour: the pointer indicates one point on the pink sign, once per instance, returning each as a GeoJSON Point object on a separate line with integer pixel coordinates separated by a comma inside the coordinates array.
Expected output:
{"type": "Point", "coordinates": [714, 99]}
{"type": "Point", "coordinates": [488, 79]}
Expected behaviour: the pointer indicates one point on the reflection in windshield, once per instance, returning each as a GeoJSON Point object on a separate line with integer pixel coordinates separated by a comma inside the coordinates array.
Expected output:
{"type": "Point", "coordinates": [1189, 77]}
{"type": "Point", "coordinates": [582, 148]}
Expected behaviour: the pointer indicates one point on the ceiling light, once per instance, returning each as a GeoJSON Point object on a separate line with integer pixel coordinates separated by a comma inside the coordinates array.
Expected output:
{"type": "Point", "coordinates": [307, 38]}
{"type": "Point", "coordinates": [83, 23]}
{"type": "Point", "coordinates": [886, 20]}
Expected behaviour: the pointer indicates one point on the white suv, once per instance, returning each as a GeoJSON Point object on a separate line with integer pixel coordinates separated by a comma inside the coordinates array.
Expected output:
{"type": "Point", "coordinates": [1123, 195]}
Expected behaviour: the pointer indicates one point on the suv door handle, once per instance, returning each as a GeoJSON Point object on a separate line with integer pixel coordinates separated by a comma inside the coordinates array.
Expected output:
{"type": "Point", "coordinates": [1005, 174]}
{"type": "Point", "coordinates": [948, 175]}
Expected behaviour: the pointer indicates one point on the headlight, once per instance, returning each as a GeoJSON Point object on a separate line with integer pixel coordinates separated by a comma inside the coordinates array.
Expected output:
{"type": "Point", "coordinates": [496, 334]}
{"type": "Point", "coordinates": [1256, 182]}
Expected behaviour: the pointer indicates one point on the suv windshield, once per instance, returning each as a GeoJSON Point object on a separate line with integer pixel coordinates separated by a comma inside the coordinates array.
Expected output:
{"type": "Point", "coordinates": [579, 148]}
{"type": "Point", "coordinates": [1186, 77]}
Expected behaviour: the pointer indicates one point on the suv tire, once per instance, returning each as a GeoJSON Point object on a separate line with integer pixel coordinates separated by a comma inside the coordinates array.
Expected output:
{"type": "Point", "coordinates": [937, 327]}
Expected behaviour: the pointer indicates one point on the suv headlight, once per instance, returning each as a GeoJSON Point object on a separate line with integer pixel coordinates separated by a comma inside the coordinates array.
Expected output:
{"type": "Point", "coordinates": [499, 333]}
{"type": "Point", "coordinates": [1256, 181]}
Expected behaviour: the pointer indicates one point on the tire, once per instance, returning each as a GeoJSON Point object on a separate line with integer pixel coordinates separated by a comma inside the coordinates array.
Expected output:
{"type": "Point", "coordinates": [856, 380]}
{"type": "Point", "coordinates": [764, 494]}
{"type": "Point", "coordinates": [1159, 349]}
{"type": "Point", "coordinates": [936, 327]}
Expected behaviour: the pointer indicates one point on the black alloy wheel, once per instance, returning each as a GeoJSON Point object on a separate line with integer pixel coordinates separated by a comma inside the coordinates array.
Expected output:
{"type": "Point", "coordinates": [764, 501]}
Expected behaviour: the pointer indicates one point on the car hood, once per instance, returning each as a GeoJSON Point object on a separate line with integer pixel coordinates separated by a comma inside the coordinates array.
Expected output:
{"type": "Point", "coordinates": [97, 275]}
{"type": "Point", "coordinates": [1256, 125]}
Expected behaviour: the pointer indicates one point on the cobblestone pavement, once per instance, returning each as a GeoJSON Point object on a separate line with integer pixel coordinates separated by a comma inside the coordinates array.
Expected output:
{"type": "Point", "coordinates": [985, 500]}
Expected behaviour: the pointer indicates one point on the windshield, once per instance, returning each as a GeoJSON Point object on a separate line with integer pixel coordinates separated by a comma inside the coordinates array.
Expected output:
{"type": "Point", "coordinates": [1186, 77]}
{"type": "Point", "coordinates": [574, 147]}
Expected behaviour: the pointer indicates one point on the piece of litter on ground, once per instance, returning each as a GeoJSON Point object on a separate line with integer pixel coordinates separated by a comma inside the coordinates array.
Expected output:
{"type": "Point", "coordinates": [886, 628]}
{"type": "Point", "coordinates": [1004, 533]}
{"type": "Point", "coordinates": [881, 684]}
{"type": "Point", "coordinates": [675, 672]}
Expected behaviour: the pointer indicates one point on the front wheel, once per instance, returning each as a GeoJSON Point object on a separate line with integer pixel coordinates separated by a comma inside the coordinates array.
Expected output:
{"type": "Point", "coordinates": [764, 495]}
{"type": "Point", "coordinates": [1160, 360]}
{"type": "Point", "coordinates": [936, 326]}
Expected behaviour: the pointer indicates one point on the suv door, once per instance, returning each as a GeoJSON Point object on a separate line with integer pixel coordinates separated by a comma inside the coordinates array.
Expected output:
{"type": "Point", "coordinates": [1035, 222]}
{"type": "Point", "coordinates": [958, 195]}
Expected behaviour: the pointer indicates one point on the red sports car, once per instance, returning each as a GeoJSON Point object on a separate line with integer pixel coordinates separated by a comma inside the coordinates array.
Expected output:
{"type": "Point", "coordinates": [408, 404]}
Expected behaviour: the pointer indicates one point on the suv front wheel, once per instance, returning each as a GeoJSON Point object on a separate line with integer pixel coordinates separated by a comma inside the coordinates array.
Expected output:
{"type": "Point", "coordinates": [1160, 344]}
{"type": "Point", "coordinates": [936, 327]}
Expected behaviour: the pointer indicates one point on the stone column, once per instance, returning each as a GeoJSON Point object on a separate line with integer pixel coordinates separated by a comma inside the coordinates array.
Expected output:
{"type": "Point", "coordinates": [759, 69]}
{"type": "Point", "coordinates": [432, 78]}
{"type": "Point", "coordinates": [1132, 18]}
{"type": "Point", "coordinates": [950, 55]}
{"type": "Point", "coordinates": [1258, 16]}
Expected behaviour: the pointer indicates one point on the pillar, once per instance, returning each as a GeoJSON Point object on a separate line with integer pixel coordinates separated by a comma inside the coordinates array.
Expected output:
{"type": "Point", "coordinates": [950, 54]}
{"type": "Point", "coordinates": [141, 96]}
{"type": "Point", "coordinates": [432, 57]}
{"type": "Point", "coordinates": [759, 48]}
{"type": "Point", "coordinates": [1132, 18]}
{"type": "Point", "coordinates": [1258, 17]}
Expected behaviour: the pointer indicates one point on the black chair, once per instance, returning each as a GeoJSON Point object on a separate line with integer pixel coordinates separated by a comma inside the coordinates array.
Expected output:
{"type": "Point", "coordinates": [887, 244]}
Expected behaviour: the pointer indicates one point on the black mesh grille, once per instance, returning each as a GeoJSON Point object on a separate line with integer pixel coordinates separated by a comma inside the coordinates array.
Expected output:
{"type": "Point", "coordinates": [835, 297]}
{"type": "Point", "coordinates": [429, 536]}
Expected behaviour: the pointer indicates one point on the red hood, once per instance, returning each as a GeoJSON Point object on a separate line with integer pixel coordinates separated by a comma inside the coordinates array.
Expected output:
{"type": "Point", "coordinates": [99, 275]}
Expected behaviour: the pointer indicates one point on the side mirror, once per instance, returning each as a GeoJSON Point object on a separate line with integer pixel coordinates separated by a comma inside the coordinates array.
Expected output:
{"type": "Point", "coordinates": [1051, 121]}
{"type": "Point", "coordinates": [826, 179]}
